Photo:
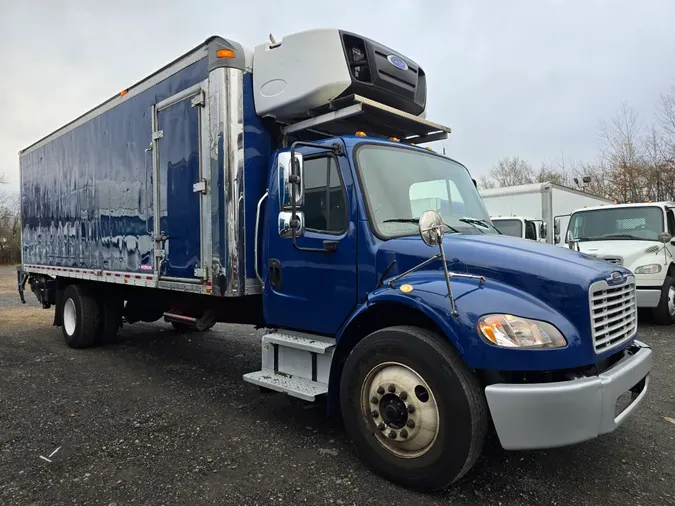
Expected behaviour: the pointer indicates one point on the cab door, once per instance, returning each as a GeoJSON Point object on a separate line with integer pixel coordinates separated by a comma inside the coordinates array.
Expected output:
{"type": "Point", "coordinates": [311, 285]}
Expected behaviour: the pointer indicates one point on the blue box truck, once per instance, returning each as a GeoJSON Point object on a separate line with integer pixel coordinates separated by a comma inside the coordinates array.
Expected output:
{"type": "Point", "coordinates": [288, 187]}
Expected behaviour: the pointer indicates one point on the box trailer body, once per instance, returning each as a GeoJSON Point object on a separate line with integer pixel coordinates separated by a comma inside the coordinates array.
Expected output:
{"type": "Point", "coordinates": [540, 203]}
{"type": "Point", "coordinates": [638, 237]}
{"type": "Point", "coordinates": [288, 187]}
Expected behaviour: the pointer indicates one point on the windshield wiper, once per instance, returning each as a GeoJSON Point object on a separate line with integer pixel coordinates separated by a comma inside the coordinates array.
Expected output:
{"type": "Point", "coordinates": [473, 223]}
{"type": "Point", "coordinates": [415, 221]}
{"type": "Point", "coordinates": [624, 236]}
{"type": "Point", "coordinates": [479, 221]}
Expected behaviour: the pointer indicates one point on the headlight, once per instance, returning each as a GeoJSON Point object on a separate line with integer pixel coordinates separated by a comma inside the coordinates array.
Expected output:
{"type": "Point", "coordinates": [511, 331]}
{"type": "Point", "coordinates": [648, 269]}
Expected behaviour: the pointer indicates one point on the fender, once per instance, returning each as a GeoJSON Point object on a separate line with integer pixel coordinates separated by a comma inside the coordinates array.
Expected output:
{"type": "Point", "coordinates": [429, 296]}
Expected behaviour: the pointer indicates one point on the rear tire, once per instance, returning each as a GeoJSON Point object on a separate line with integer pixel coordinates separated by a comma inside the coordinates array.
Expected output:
{"type": "Point", "coordinates": [79, 317]}
{"type": "Point", "coordinates": [446, 428]}
{"type": "Point", "coordinates": [664, 313]}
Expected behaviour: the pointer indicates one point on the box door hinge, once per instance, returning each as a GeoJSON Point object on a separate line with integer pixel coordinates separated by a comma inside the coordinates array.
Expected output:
{"type": "Point", "coordinates": [200, 187]}
{"type": "Point", "coordinates": [157, 135]}
{"type": "Point", "coordinates": [198, 100]}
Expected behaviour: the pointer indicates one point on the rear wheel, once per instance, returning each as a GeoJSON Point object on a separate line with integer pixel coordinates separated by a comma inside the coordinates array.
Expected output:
{"type": "Point", "coordinates": [664, 313]}
{"type": "Point", "coordinates": [416, 414]}
{"type": "Point", "coordinates": [79, 317]}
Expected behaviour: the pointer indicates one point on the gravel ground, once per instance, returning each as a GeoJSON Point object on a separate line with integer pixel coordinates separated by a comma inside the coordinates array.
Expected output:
{"type": "Point", "coordinates": [160, 418]}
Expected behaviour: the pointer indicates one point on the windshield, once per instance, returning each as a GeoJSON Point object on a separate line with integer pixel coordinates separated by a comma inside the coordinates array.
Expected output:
{"type": "Point", "coordinates": [401, 183]}
{"type": "Point", "coordinates": [509, 227]}
{"type": "Point", "coordinates": [641, 223]}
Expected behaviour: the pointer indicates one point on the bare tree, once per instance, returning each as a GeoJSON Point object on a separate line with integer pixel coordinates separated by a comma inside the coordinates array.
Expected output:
{"type": "Point", "coordinates": [511, 171]}
{"type": "Point", "coordinates": [485, 183]}
{"type": "Point", "coordinates": [10, 228]}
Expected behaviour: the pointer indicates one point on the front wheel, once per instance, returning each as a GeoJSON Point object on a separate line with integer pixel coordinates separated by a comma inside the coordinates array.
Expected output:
{"type": "Point", "coordinates": [664, 313]}
{"type": "Point", "coordinates": [415, 412]}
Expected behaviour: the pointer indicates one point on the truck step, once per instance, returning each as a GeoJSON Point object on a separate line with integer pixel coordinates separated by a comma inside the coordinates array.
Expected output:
{"type": "Point", "coordinates": [304, 342]}
{"type": "Point", "coordinates": [296, 387]}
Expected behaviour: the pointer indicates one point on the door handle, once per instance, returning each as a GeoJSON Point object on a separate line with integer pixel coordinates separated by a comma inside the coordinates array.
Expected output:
{"type": "Point", "coordinates": [330, 246]}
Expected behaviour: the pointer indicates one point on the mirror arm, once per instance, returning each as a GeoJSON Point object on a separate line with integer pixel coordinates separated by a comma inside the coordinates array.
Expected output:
{"type": "Point", "coordinates": [294, 179]}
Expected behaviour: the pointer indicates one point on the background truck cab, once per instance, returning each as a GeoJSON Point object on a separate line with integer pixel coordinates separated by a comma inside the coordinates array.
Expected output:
{"type": "Point", "coordinates": [521, 226]}
{"type": "Point", "coordinates": [638, 237]}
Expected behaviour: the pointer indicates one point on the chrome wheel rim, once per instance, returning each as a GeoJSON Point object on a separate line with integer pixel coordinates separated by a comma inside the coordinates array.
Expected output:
{"type": "Point", "coordinates": [671, 300]}
{"type": "Point", "coordinates": [400, 409]}
{"type": "Point", "coordinates": [69, 317]}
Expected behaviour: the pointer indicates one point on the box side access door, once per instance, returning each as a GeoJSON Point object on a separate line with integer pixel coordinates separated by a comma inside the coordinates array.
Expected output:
{"type": "Point", "coordinates": [177, 154]}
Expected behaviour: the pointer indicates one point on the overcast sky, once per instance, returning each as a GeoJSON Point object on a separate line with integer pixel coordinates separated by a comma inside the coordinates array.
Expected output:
{"type": "Point", "coordinates": [528, 78]}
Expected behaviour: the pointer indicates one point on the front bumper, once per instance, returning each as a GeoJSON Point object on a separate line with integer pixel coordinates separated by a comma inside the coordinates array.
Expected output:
{"type": "Point", "coordinates": [549, 415]}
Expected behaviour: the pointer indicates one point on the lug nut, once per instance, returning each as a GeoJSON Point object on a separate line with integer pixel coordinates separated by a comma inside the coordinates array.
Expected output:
{"type": "Point", "coordinates": [374, 400]}
{"type": "Point", "coordinates": [392, 389]}
{"type": "Point", "coordinates": [411, 424]}
{"type": "Point", "coordinates": [404, 433]}
{"type": "Point", "coordinates": [404, 395]}
{"type": "Point", "coordinates": [411, 409]}
{"type": "Point", "coordinates": [392, 434]}
{"type": "Point", "coordinates": [375, 414]}
{"type": "Point", "coordinates": [380, 390]}
{"type": "Point", "coordinates": [381, 426]}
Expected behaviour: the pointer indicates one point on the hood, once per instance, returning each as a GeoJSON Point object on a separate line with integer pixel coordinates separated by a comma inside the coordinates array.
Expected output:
{"type": "Point", "coordinates": [556, 275]}
{"type": "Point", "coordinates": [629, 253]}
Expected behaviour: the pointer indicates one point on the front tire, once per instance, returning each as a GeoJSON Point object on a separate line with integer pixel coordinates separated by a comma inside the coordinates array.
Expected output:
{"type": "Point", "coordinates": [664, 313]}
{"type": "Point", "coordinates": [416, 414]}
{"type": "Point", "coordinates": [79, 317]}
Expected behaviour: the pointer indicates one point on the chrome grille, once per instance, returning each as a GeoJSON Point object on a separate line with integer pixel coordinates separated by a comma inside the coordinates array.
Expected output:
{"type": "Point", "coordinates": [613, 260]}
{"type": "Point", "coordinates": [613, 314]}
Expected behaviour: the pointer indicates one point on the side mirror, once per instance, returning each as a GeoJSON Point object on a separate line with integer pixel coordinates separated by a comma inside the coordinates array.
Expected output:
{"type": "Point", "coordinates": [556, 239]}
{"type": "Point", "coordinates": [285, 225]}
{"type": "Point", "coordinates": [664, 237]}
{"type": "Point", "coordinates": [289, 178]}
{"type": "Point", "coordinates": [431, 228]}
{"type": "Point", "coordinates": [569, 238]}
{"type": "Point", "coordinates": [475, 183]}
{"type": "Point", "coordinates": [556, 226]}
{"type": "Point", "coordinates": [542, 230]}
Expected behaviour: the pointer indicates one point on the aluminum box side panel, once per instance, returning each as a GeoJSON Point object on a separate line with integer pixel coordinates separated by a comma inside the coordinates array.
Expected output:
{"type": "Point", "coordinates": [87, 195]}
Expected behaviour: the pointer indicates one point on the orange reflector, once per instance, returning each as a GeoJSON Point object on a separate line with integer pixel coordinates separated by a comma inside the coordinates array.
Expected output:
{"type": "Point", "coordinates": [394, 139]}
{"type": "Point", "coordinates": [123, 92]}
{"type": "Point", "coordinates": [225, 53]}
{"type": "Point", "coordinates": [406, 288]}
{"type": "Point", "coordinates": [602, 205]}
{"type": "Point", "coordinates": [649, 201]}
{"type": "Point", "coordinates": [488, 332]}
{"type": "Point", "coordinates": [360, 134]}
{"type": "Point", "coordinates": [429, 149]}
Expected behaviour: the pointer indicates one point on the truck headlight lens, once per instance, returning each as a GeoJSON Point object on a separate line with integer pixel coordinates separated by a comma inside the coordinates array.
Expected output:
{"type": "Point", "coordinates": [511, 331]}
{"type": "Point", "coordinates": [648, 269]}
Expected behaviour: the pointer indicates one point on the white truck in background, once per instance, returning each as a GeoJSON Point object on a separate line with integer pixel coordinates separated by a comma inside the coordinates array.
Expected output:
{"type": "Point", "coordinates": [530, 211]}
{"type": "Point", "coordinates": [638, 237]}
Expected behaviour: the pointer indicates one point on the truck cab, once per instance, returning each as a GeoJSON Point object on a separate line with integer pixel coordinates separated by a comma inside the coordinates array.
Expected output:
{"type": "Point", "coordinates": [521, 226]}
{"type": "Point", "coordinates": [638, 237]}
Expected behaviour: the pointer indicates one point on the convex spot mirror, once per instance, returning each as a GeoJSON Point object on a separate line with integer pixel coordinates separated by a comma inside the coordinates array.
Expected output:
{"type": "Point", "coordinates": [431, 228]}
{"type": "Point", "coordinates": [664, 237]}
{"type": "Point", "coordinates": [289, 178]}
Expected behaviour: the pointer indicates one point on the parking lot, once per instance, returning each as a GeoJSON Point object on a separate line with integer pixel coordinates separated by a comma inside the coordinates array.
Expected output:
{"type": "Point", "coordinates": [162, 418]}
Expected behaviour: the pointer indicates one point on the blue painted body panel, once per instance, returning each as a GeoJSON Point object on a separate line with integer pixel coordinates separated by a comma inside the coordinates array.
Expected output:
{"type": "Point", "coordinates": [87, 198]}
{"type": "Point", "coordinates": [179, 207]}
